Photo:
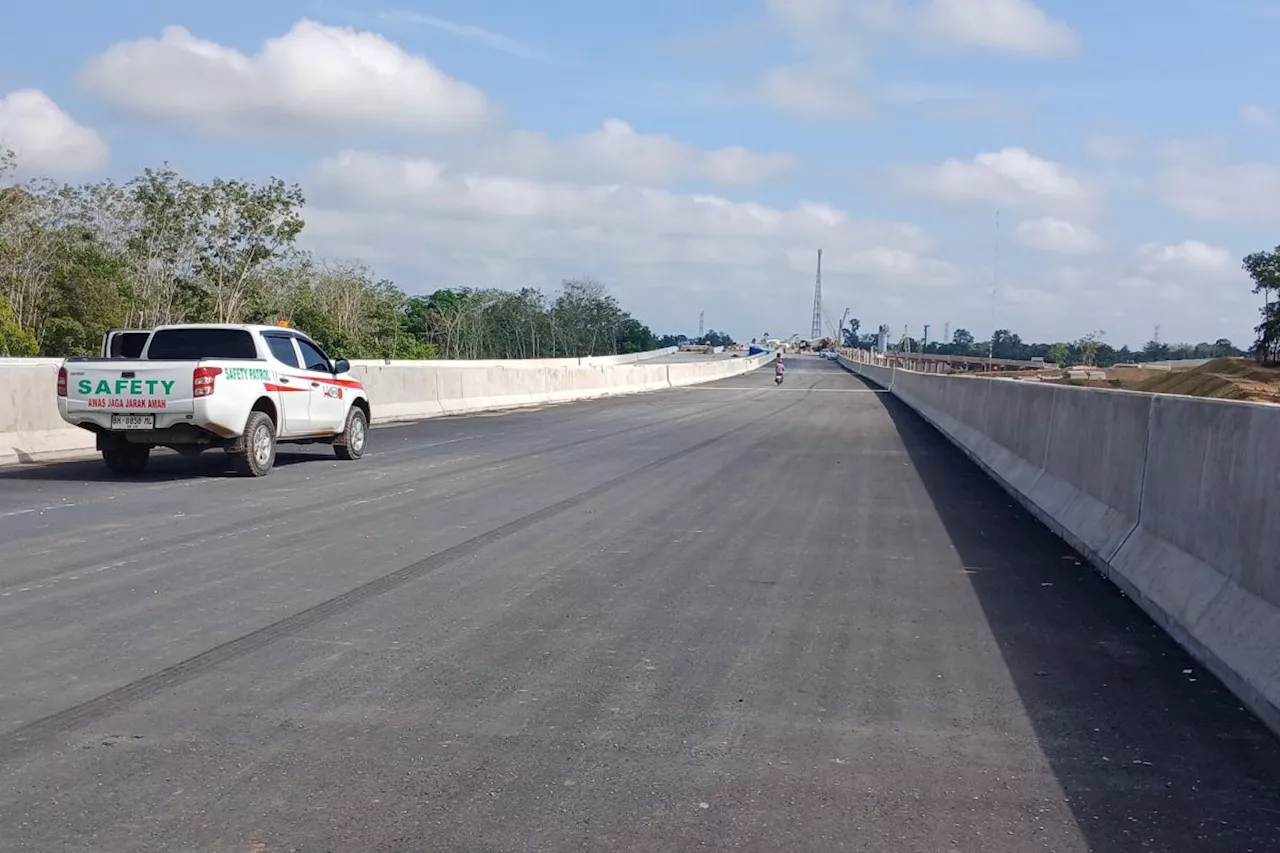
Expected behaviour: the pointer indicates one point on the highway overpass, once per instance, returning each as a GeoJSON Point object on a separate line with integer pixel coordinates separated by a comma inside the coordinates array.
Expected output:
{"type": "Point", "coordinates": [725, 616]}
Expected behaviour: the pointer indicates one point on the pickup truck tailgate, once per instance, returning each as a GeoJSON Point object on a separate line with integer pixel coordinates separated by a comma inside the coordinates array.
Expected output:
{"type": "Point", "coordinates": [163, 388]}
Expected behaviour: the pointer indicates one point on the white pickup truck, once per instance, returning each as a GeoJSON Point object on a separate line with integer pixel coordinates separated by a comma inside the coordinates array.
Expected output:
{"type": "Point", "coordinates": [242, 388]}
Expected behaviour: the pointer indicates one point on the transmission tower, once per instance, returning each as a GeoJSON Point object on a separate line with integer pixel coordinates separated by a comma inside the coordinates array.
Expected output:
{"type": "Point", "coordinates": [817, 301]}
{"type": "Point", "coordinates": [924, 342]}
{"type": "Point", "coordinates": [1156, 337]}
{"type": "Point", "coordinates": [702, 325]}
{"type": "Point", "coordinates": [946, 332]}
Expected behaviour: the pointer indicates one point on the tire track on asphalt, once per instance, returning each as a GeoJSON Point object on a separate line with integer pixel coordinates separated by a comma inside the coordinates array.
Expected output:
{"type": "Point", "coordinates": [16, 742]}
{"type": "Point", "coordinates": [345, 498]}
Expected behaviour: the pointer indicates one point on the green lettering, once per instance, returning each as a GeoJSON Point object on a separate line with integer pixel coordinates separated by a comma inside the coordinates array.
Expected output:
{"type": "Point", "coordinates": [104, 387]}
{"type": "Point", "coordinates": [121, 384]}
{"type": "Point", "coordinates": [84, 386]}
{"type": "Point", "coordinates": [135, 387]}
{"type": "Point", "coordinates": [151, 387]}
{"type": "Point", "coordinates": [168, 385]}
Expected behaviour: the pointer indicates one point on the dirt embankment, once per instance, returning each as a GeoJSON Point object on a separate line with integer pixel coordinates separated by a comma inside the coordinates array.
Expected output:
{"type": "Point", "coordinates": [1222, 379]}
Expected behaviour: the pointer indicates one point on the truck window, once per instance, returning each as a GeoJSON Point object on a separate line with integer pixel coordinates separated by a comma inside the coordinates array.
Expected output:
{"type": "Point", "coordinates": [315, 360]}
{"type": "Point", "coordinates": [281, 347]}
{"type": "Point", "coordinates": [191, 344]}
{"type": "Point", "coordinates": [128, 344]}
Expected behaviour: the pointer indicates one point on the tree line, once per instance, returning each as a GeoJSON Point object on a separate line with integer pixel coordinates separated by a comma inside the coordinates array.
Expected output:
{"type": "Point", "coordinates": [77, 260]}
{"type": "Point", "coordinates": [1089, 349]}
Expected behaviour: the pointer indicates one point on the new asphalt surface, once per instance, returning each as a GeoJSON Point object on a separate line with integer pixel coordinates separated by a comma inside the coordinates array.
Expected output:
{"type": "Point", "coordinates": [729, 617]}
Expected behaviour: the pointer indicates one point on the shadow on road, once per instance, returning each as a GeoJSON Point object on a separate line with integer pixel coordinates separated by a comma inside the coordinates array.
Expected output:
{"type": "Point", "coordinates": [1152, 751]}
{"type": "Point", "coordinates": [164, 466]}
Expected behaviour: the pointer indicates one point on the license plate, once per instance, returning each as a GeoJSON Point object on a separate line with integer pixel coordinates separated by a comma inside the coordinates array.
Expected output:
{"type": "Point", "coordinates": [133, 421]}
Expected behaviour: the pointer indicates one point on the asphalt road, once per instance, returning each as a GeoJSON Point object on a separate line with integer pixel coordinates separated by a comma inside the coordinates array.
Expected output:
{"type": "Point", "coordinates": [730, 617]}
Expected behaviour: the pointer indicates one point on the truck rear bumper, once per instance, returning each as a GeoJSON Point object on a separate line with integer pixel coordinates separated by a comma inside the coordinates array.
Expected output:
{"type": "Point", "coordinates": [182, 435]}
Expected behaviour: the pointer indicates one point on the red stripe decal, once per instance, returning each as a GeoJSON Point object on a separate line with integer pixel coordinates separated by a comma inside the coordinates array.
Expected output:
{"type": "Point", "coordinates": [273, 387]}
{"type": "Point", "coordinates": [341, 383]}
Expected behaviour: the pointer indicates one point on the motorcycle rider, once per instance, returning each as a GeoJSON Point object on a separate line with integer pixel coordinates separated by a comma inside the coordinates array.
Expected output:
{"type": "Point", "coordinates": [778, 369]}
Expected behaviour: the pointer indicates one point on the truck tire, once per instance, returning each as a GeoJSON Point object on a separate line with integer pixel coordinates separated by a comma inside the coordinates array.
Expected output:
{"type": "Point", "coordinates": [125, 459]}
{"type": "Point", "coordinates": [350, 444]}
{"type": "Point", "coordinates": [255, 452]}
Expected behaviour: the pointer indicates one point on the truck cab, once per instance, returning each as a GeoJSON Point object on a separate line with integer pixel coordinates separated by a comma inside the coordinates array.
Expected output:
{"type": "Point", "coordinates": [241, 388]}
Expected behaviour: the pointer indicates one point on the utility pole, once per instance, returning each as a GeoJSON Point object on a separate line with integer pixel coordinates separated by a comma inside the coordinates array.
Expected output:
{"type": "Point", "coordinates": [702, 327]}
{"type": "Point", "coordinates": [995, 286]}
{"type": "Point", "coordinates": [924, 342]}
{"type": "Point", "coordinates": [817, 301]}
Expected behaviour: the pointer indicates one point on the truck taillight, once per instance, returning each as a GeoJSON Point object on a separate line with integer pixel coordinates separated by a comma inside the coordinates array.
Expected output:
{"type": "Point", "coordinates": [202, 381]}
{"type": "Point", "coordinates": [62, 382]}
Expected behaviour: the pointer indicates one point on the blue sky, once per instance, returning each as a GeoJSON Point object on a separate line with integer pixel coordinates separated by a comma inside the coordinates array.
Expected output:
{"type": "Point", "coordinates": [693, 156]}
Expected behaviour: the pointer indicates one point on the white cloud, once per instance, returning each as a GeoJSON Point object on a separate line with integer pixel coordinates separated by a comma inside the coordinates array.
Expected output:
{"type": "Point", "coordinates": [1260, 117]}
{"type": "Point", "coordinates": [1202, 186]}
{"type": "Point", "coordinates": [663, 252]}
{"type": "Point", "coordinates": [826, 26]}
{"type": "Point", "coordinates": [1014, 26]}
{"type": "Point", "coordinates": [832, 39]}
{"type": "Point", "coordinates": [617, 152]}
{"type": "Point", "coordinates": [1059, 236]}
{"type": "Point", "coordinates": [313, 77]}
{"type": "Point", "coordinates": [47, 141]}
{"type": "Point", "coordinates": [815, 91]}
{"type": "Point", "coordinates": [427, 186]}
{"type": "Point", "coordinates": [1011, 177]}
{"type": "Point", "coordinates": [1189, 256]}
{"type": "Point", "coordinates": [1196, 290]}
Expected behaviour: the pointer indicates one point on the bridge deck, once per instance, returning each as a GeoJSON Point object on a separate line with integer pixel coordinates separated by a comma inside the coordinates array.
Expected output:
{"type": "Point", "coordinates": [724, 617]}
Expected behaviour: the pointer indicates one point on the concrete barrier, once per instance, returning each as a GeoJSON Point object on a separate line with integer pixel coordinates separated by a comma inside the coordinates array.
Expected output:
{"type": "Point", "coordinates": [1175, 499]}
{"type": "Point", "coordinates": [30, 428]}
{"type": "Point", "coordinates": [32, 431]}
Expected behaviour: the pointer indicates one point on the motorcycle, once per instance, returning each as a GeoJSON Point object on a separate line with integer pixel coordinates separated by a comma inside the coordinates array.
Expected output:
{"type": "Point", "coordinates": [777, 378]}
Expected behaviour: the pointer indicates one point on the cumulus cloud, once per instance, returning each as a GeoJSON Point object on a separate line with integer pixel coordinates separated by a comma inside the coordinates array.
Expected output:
{"type": "Point", "coordinates": [662, 251]}
{"type": "Point", "coordinates": [1190, 256]}
{"type": "Point", "coordinates": [1011, 177]}
{"type": "Point", "coordinates": [313, 77]}
{"type": "Point", "coordinates": [1013, 26]}
{"type": "Point", "coordinates": [832, 39]}
{"type": "Point", "coordinates": [616, 151]}
{"type": "Point", "coordinates": [1059, 236]}
{"type": "Point", "coordinates": [47, 141]}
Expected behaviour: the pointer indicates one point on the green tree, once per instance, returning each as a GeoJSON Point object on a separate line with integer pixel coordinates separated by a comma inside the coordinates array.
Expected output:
{"type": "Point", "coordinates": [1264, 269]}
{"type": "Point", "coordinates": [14, 340]}
{"type": "Point", "coordinates": [1088, 347]}
{"type": "Point", "coordinates": [245, 228]}
{"type": "Point", "coordinates": [1059, 355]}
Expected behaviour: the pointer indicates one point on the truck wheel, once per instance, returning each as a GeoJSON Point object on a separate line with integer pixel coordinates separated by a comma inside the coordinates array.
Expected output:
{"type": "Point", "coordinates": [255, 452]}
{"type": "Point", "coordinates": [126, 459]}
{"type": "Point", "coordinates": [350, 445]}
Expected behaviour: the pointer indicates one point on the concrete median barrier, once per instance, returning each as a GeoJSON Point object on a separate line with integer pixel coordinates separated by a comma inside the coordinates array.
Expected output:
{"type": "Point", "coordinates": [30, 428]}
{"type": "Point", "coordinates": [32, 431]}
{"type": "Point", "coordinates": [1175, 499]}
